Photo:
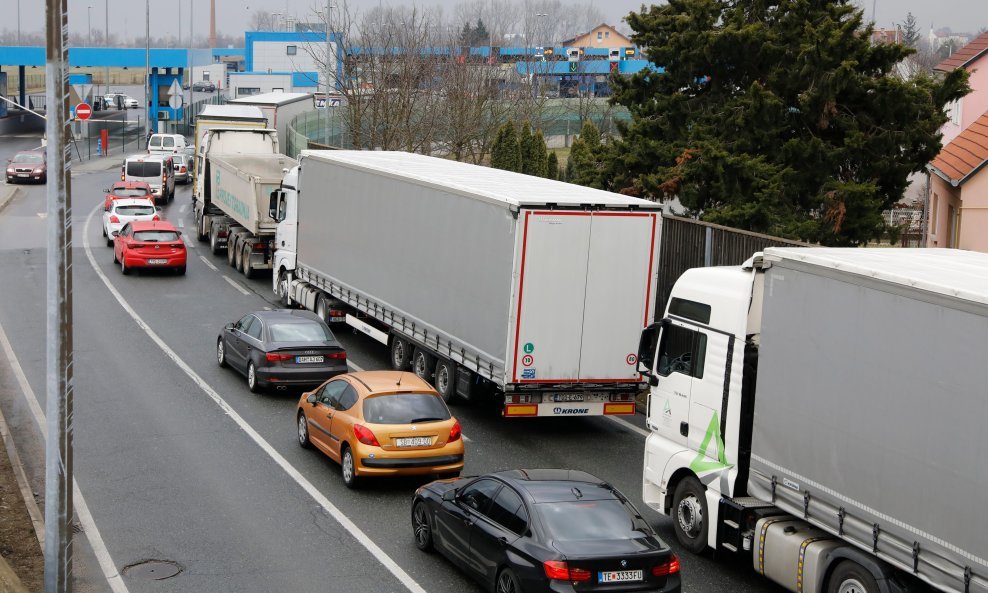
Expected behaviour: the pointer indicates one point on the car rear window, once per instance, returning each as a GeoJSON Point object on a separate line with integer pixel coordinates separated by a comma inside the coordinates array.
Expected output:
{"type": "Point", "coordinates": [143, 168]}
{"type": "Point", "coordinates": [156, 236]}
{"type": "Point", "coordinates": [404, 408]}
{"type": "Point", "coordinates": [592, 520]}
{"type": "Point", "coordinates": [299, 332]}
{"type": "Point", "coordinates": [131, 193]}
{"type": "Point", "coordinates": [134, 210]}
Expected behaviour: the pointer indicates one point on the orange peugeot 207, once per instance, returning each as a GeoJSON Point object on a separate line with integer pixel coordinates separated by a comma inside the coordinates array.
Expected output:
{"type": "Point", "coordinates": [381, 423]}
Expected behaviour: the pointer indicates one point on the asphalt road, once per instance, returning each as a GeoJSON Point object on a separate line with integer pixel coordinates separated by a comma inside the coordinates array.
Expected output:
{"type": "Point", "coordinates": [169, 474]}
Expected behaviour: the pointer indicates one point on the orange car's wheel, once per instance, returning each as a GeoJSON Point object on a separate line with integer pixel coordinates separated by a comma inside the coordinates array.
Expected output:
{"type": "Point", "coordinates": [348, 467]}
{"type": "Point", "coordinates": [303, 431]}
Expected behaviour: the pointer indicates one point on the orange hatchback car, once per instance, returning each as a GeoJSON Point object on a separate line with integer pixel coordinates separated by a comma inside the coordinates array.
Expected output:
{"type": "Point", "coordinates": [381, 423]}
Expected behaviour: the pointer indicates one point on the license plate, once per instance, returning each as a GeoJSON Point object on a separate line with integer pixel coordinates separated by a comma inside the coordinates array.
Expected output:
{"type": "Point", "coordinates": [308, 359]}
{"type": "Point", "coordinates": [340, 319]}
{"type": "Point", "coordinates": [157, 262]}
{"type": "Point", "coordinates": [23, 174]}
{"type": "Point", "coordinates": [567, 397]}
{"type": "Point", "coordinates": [414, 442]}
{"type": "Point", "coordinates": [620, 576]}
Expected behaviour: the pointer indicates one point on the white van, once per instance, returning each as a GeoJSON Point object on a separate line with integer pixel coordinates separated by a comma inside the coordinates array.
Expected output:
{"type": "Point", "coordinates": [157, 170]}
{"type": "Point", "coordinates": [166, 144]}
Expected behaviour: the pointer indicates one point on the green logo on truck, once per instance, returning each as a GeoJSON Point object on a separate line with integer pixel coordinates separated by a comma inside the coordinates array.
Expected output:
{"type": "Point", "coordinates": [229, 199]}
{"type": "Point", "coordinates": [702, 462]}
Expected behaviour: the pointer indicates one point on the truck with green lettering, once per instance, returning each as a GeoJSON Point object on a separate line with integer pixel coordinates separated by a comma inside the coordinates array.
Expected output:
{"type": "Point", "coordinates": [238, 170]}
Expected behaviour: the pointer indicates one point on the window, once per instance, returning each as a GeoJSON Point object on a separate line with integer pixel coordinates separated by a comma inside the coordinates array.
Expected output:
{"type": "Point", "coordinates": [143, 168]}
{"type": "Point", "coordinates": [692, 310]}
{"type": "Point", "coordinates": [254, 330]}
{"type": "Point", "coordinates": [331, 393]}
{"type": "Point", "coordinates": [244, 322]}
{"type": "Point", "coordinates": [246, 91]}
{"type": "Point", "coordinates": [348, 398]}
{"type": "Point", "coordinates": [607, 34]}
{"type": "Point", "coordinates": [509, 510]}
{"type": "Point", "coordinates": [168, 142]}
{"type": "Point", "coordinates": [682, 351]}
{"type": "Point", "coordinates": [156, 236]}
{"type": "Point", "coordinates": [134, 210]}
{"type": "Point", "coordinates": [405, 408]}
{"type": "Point", "coordinates": [935, 211]}
{"type": "Point", "coordinates": [478, 495]}
{"type": "Point", "coordinates": [291, 50]}
{"type": "Point", "coordinates": [600, 35]}
{"type": "Point", "coordinates": [592, 520]}
{"type": "Point", "coordinates": [299, 332]}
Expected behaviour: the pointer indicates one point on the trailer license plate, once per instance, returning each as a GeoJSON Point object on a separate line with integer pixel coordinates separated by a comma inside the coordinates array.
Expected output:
{"type": "Point", "coordinates": [619, 576]}
{"type": "Point", "coordinates": [308, 359]}
{"type": "Point", "coordinates": [157, 262]}
{"type": "Point", "coordinates": [414, 442]}
{"type": "Point", "coordinates": [567, 397]}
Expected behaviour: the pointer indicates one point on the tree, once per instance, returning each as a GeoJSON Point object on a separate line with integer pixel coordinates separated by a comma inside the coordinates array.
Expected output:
{"type": "Point", "coordinates": [261, 20]}
{"type": "Point", "coordinates": [506, 153]}
{"type": "Point", "coordinates": [585, 157]}
{"type": "Point", "coordinates": [910, 32]}
{"type": "Point", "coordinates": [540, 155]}
{"type": "Point", "coordinates": [552, 166]}
{"type": "Point", "coordinates": [775, 117]}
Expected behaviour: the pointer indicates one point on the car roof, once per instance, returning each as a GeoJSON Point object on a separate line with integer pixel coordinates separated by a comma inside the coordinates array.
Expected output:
{"type": "Point", "coordinates": [557, 485]}
{"type": "Point", "coordinates": [148, 157]}
{"type": "Point", "coordinates": [391, 382]}
{"type": "Point", "coordinates": [152, 225]}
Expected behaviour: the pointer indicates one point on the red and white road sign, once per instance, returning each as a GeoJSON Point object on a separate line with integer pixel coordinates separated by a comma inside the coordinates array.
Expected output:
{"type": "Point", "coordinates": [83, 111]}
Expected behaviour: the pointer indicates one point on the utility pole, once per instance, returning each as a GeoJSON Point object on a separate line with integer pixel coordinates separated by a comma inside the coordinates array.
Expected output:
{"type": "Point", "coordinates": [329, 55]}
{"type": "Point", "coordinates": [58, 387]}
{"type": "Point", "coordinates": [89, 24]}
{"type": "Point", "coordinates": [147, 70]}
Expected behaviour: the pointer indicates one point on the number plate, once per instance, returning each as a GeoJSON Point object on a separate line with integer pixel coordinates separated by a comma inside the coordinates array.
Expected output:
{"type": "Point", "coordinates": [308, 359]}
{"type": "Point", "coordinates": [567, 397]}
{"type": "Point", "coordinates": [620, 576]}
{"type": "Point", "coordinates": [414, 442]}
{"type": "Point", "coordinates": [157, 262]}
{"type": "Point", "coordinates": [23, 174]}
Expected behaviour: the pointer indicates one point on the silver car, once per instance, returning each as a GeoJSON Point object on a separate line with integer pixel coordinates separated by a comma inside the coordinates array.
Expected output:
{"type": "Point", "coordinates": [183, 168]}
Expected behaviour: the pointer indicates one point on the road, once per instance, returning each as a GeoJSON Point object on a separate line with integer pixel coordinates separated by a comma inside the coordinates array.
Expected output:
{"type": "Point", "coordinates": [177, 461]}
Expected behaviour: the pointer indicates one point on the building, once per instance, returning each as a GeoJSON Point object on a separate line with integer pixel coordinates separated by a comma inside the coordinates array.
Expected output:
{"type": "Point", "coordinates": [887, 36]}
{"type": "Point", "coordinates": [973, 57]}
{"type": "Point", "coordinates": [602, 35]}
{"type": "Point", "coordinates": [958, 202]}
{"type": "Point", "coordinates": [285, 61]}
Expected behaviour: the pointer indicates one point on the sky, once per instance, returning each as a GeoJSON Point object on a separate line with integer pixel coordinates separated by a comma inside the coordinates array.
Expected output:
{"type": "Point", "coordinates": [233, 17]}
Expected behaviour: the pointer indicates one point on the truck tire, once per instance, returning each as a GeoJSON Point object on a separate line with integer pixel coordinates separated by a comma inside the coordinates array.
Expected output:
{"type": "Point", "coordinates": [231, 250]}
{"type": "Point", "coordinates": [423, 365]}
{"type": "Point", "coordinates": [283, 287]}
{"type": "Point", "coordinates": [401, 354]}
{"type": "Point", "coordinates": [214, 240]}
{"type": "Point", "coordinates": [851, 577]}
{"type": "Point", "coordinates": [248, 269]}
{"type": "Point", "coordinates": [689, 514]}
{"type": "Point", "coordinates": [201, 233]}
{"type": "Point", "coordinates": [445, 381]}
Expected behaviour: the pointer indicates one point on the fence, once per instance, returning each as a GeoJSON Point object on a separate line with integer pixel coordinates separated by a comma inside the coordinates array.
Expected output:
{"type": "Point", "coordinates": [124, 135]}
{"type": "Point", "coordinates": [688, 243]}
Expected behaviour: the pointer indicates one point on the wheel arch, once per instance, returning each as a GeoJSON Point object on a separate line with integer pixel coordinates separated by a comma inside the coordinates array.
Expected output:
{"type": "Point", "coordinates": [677, 476]}
{"type": "Point", "coordinates": [881, 571]}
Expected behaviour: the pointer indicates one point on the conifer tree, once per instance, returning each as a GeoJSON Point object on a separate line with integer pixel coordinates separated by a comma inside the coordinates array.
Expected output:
{"type": "Point", "coordinates": [505, 152]}
{"type": "Point", "coordinates": [552, 166]}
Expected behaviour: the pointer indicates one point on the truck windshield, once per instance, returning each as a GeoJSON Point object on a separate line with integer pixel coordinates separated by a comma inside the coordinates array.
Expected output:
{"type": "Point", "coordinates": [404, 408]}
{"type": "Point", "coordinates": [144, 168]}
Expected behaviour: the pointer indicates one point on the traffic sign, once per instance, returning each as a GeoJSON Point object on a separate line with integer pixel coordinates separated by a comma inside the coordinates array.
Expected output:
{"type": "Point", "coordinates": [83, 111]}
{"type": "Point", "coordinates": [175, 101]}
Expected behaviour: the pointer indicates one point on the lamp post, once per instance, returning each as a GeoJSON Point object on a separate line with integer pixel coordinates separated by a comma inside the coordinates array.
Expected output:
{"type": "Point", "coordinates": [89, 23]}
{"type": "Point", "coordinates": [147, 69]}
{"type": "Point", "coordinates": [106, 38]}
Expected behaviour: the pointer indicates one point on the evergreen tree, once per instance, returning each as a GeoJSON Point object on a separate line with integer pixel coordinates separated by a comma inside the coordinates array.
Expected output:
{"type": "Point", "coordinates": [505, 152]}
{"type": "Point", "coordinates": [540, 155]}
{"type": "Point", "coordinates": [527, 149]}
{"type": "Point", "coordinates": [480, 34]}
{"type": "Point", "coordinates": [778, 117]}
{"type": "Point", "coordinates": [584, 164]}
{"type": "Point", "coordinates": [910, 31]}
{"type": "Point", "coordinates": [552, 166]}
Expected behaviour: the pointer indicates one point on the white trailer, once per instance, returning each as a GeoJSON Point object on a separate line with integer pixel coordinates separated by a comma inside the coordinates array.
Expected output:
{"type": "Point", "coordinates": [227, 117]}
{"type": "Point", "coordinates": [856, 463]}
{"type": "Point", "coordinates": [475, 277]}
{"type": "Point", "coordinates": [279, 108]}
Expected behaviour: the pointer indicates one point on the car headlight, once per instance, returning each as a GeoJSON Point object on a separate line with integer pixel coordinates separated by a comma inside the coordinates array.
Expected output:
{"type": "Point", "coordinates": [37, 171]}
{"type": "Point", "coordinates": [10, 171]}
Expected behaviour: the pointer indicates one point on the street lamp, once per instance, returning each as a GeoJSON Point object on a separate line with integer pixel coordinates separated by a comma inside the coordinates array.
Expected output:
{"type": "Point", "coordinates": [89, 23]}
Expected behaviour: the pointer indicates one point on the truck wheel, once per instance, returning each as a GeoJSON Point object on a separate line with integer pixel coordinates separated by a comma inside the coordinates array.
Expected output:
{"type": "Point", "coordinates": [214, 240]}
{"type": "Point", "coordinates": [689, 514]}
{"type": "Point", "coordinates": [201, 233]}
{"type": "Point", "coordinates": [423, 364]}
{"type": "Point", "coordinates": [248, 269]}
{"type": "Point", "coordinates": [401, 354]}
{"type": "Point", "coordinates": [231, 250]}
{"type": "Point", "coordinates": [851, 577]}
{"type": "Point", "coordinates": [283, 286]}
{"type": "Point", "coordinates": [445, 382]}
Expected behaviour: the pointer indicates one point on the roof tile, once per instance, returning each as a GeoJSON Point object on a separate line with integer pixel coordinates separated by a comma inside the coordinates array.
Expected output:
{"type": "Point", "coordinates": [965, 154]}
{"type": "Point", "coordinates": [965, 55]}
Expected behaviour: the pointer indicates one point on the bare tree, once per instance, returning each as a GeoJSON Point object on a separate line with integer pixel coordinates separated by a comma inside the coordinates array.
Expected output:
{"type": "Point", "coordinates": [261, 20]}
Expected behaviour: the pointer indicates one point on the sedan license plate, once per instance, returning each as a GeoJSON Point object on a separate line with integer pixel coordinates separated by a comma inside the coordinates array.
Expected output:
{"type": "Point", "coordinates": [157, 262]}
{"type": "Point", "coordinates": [308, 359]}
{"type": "Point", "coordinates": [414, 442]}
{"type": "Point", "coordinates": [620, 576]}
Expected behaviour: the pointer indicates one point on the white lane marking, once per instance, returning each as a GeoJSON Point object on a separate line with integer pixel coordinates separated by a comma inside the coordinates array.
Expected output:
{"type": "Point", "coordinates": [37, 517]}
{"type": "Point", "coordinates": [625, 424]}
{"type": "Point", "coordinates": [208, 263]}
{"type": "Point", "coordinates": [183, 208]}
{"type": "Point", "coordinates": [236, 285]}
{"type": "Point", "coordinates": [181, 223]}
{"type": "Point", "coordinates": [267, 308]}
{"type": "Point", "coordinates": [96, 542]}
{"type": "Point", "coordinates": [188, 242]}
{"type": "Point", "coordinates": [261, 442]}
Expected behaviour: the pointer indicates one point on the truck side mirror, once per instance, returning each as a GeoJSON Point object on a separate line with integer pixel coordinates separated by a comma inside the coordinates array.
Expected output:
{"type": "Point", "coordinates": [647, 347]}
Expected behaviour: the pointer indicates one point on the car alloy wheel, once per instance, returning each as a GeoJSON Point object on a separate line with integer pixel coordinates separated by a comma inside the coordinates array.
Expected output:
{"type": "Point", "coordinates": [303, 431]}
{"type": "Point", "coordinates": [252, 382]}
{"type": "Point", "coordinates": [507, 583]}
{"type": "Point", "coordinates": [220, 353]}
{"type": "Point", "coordinates": [347, 468]}
{"type": "Point", "coordinates": [421, 526]}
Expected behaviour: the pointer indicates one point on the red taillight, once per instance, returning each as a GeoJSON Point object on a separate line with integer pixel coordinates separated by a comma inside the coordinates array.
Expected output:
{"type": "Point", "coordinates": [114, 218]}
{"type": "Point", "coordinates": [365, 436]}
{"type": "Point", "coordinates": [182, 170]}
{"type": "Point", "coordinates": [341, 355]}
{"type": "Point", "coordinates": [260, 246]}
{"type": "Point", "coordinates": [155, 217]}
{"type": "Point", "coordinates": [455, 432]}
{"type": "Point", "coordinates": [666, 568]}
{"type": "Point", "coordinates": [558, 570]}
{"type": "Point", "coordinates": [164, 177]}
{"type": "Point", "coordinates": [276, 357]}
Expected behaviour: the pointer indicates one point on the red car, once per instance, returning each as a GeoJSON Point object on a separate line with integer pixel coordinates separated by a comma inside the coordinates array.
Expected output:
{"type": "Point", "coordinates": [126, 189]}
{"type": "Point", "coordinates": [28, 165]}
{"type": "Point", "coordinates": [149, 244]}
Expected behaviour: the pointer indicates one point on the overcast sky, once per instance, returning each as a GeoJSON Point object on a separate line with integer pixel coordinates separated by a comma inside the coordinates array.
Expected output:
{"type": "Point", "coordinates": [232, 18]}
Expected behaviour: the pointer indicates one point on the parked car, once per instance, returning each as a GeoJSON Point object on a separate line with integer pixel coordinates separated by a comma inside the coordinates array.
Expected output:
{"type": "Point", "coordinates": [28, 165]}
{"type": "Point", "coordinates": [157, 170]}
{"type": "Point", "coordinates": [381, 423]}
{"type": "Point", "coordinates": [127, 210]}
{"type": "Point", "coordinates": [126, 189]}
{"type": "Point", "coordinates": [149, 244]}
{"type": "Point", "coordinates": [281, 349]}
{"type": "Point", "coordinates": [204, 86]}
{"type": "Point", "coordinates": [130, 102]}
{"type": "Point", "coordinates": [183, 168]}
{"type": "Point", "coordinates": [543, 530]}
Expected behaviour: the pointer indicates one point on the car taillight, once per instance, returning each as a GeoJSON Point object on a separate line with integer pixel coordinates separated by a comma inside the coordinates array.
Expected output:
{"type": "Point", "coordinates": [138, 246]}
{"type": "Point", "coordinates": [164, 177]}
{"type": "Point", "coordinates": [155, 217]}
{"type": "Point", "coordinates": [365, 436]}
{"type": "Point", "coordinates": [341, 355]}
{"type": "Point", "coordinates": [455, 432]}
{"type": "Point", "coordinates": [559, 570]}
{"type": "Point", "coordinates": [666, 568]}
{"type": "Point", "coordinates": [182, 170]}
{"type": "Point", "coordinates": [114, 218]}
{"type": "Point", "coordinates": [276, 357]}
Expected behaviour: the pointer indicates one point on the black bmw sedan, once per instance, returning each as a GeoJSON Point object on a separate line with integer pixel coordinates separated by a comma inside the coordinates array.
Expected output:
{"type": "Point", "coordinates": [543, 530]}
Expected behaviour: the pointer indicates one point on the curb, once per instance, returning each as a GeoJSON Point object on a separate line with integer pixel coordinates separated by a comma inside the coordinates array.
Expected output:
{"type": "Point", "coordinates": [7, 194]}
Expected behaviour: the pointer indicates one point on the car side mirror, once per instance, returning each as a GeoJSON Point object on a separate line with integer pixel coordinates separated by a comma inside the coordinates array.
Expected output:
{"type": "Point", "coordinates": [228, 326]}
{"type": "Point", "coordinates": [179, 233]}
{"type": "Point", "coordinates": [449, 495]}
{"type": "Point", "coordinates": [311, 399]}
{"type": "Point", "coordinates": [115, 233]}
{"type": "Point", "coordinates": [106, 191]}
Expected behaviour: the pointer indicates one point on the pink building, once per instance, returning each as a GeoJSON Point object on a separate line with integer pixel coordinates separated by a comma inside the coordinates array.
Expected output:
{"type": "Point", "coordinates": [958, 203]}
{"type": "Point", "coordinates": [973, 57]}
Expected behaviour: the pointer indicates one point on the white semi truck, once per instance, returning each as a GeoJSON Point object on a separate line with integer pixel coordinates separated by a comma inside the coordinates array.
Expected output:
{"type": "Point", "coordinates": [856, 463]}
{"type": "Point", "coordinates": [480, 280]}
{"type": "Point", "coordinates": [238, 170]}
{"type": "Point", "coordinates": [279, 108]}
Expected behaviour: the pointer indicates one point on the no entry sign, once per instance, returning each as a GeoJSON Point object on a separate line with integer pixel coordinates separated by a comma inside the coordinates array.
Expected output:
{"type": "Point", "coordinates": [83, 111]}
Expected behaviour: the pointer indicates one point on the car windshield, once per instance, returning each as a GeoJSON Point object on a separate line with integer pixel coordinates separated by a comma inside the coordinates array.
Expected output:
{"type": "Point", "coordinates": [143, 168]}
{"type": "Point", "coordinates": [131, 193]}
{"type": "Point", "coordinates": [404, 408]}
{"type": "Point", "coordinates": [33, 159]}
{"type": "Point", "coordinates": [299, 332]}
{"type": "Point", "coordinates": [134, 210]}
{"type": "Point", "coordinates": [155, 236]}
{"type": "Point", "coordinates": [591, 520]}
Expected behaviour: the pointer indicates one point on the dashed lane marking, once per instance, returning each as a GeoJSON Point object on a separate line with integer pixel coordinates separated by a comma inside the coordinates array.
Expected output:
{"type": "Point", "coordinates": [208, 263]}
{"type": "Point", "coordinates": [236, 285]}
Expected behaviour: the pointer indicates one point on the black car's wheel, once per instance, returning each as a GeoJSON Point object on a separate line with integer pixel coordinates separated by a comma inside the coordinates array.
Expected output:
{"type": "Point", "coordinates": [348, 467]}
{"type": "Point", "coordinates": [115, 260]}
{"type": "Point", "coordinates": [401, 354]}
{"type": "Point", "coordinates": [507, 582]}
{"type": "Point", "coordinates": [423, 364]}
{"type": "Point", "coordinates": [445, 381]}
{"type": "Point", "coordinates": [303, 431]}
{"type": "Point", "coordinates": [109, 240]}
{"type": "Point", "coordinates": [220, 353]}
{"type": "Point", "coordinates": [253, 383]}
{"type": "Point", "coordinates": [689, 519]}
{"type": "Point", "coordinates": [422, 526]}
{"type": "Point", "coordinates": [850, 577]}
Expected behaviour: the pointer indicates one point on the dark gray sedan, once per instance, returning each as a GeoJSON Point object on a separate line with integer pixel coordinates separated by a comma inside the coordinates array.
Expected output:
{"type": "Point", "coordinates": [281, 349]}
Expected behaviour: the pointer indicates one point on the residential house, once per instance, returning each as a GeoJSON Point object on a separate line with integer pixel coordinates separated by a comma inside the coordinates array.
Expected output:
{"type": "Point", "coordinates": [602, 35]}
{"type": "Point", "coordinates": [973, 57]}
{"type": "Point", "coordinates": [958, 201]}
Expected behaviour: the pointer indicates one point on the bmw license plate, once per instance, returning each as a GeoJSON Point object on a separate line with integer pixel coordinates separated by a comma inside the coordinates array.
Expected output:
{"type": "Point", "coordinates": [414, 442]}
{"type": "Point", "coordinates": [157, 262]}
{"type": "Point", "coordinates": [308, 359]}
{"type": "Point", "coordinates": [620, 576]}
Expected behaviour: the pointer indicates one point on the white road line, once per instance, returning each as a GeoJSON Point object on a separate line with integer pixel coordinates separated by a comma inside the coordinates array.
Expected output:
{"type": "Point", "coordinates": [208, 263]}
{"type": "Point", "coordinates": [183, 208]}
{"type": "Point", "coordinates": [188, 242]}
{"type": "Point", "coordinates": [109, 569]}
{"type": "Point", "coordinates": [236, 285]}
{"type": "Point", "coordinates": [278, 458]}
{"type": "Point", "coordinates": [625, 424]}
{"type": "Point", "coordinates": [181, 223]}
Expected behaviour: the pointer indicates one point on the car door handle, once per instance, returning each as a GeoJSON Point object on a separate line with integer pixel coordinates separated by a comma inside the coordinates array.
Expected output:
{"type": "Point", "coordinates": [502, 540]}
{"type": "Point", "coordinates": [468, 521]}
